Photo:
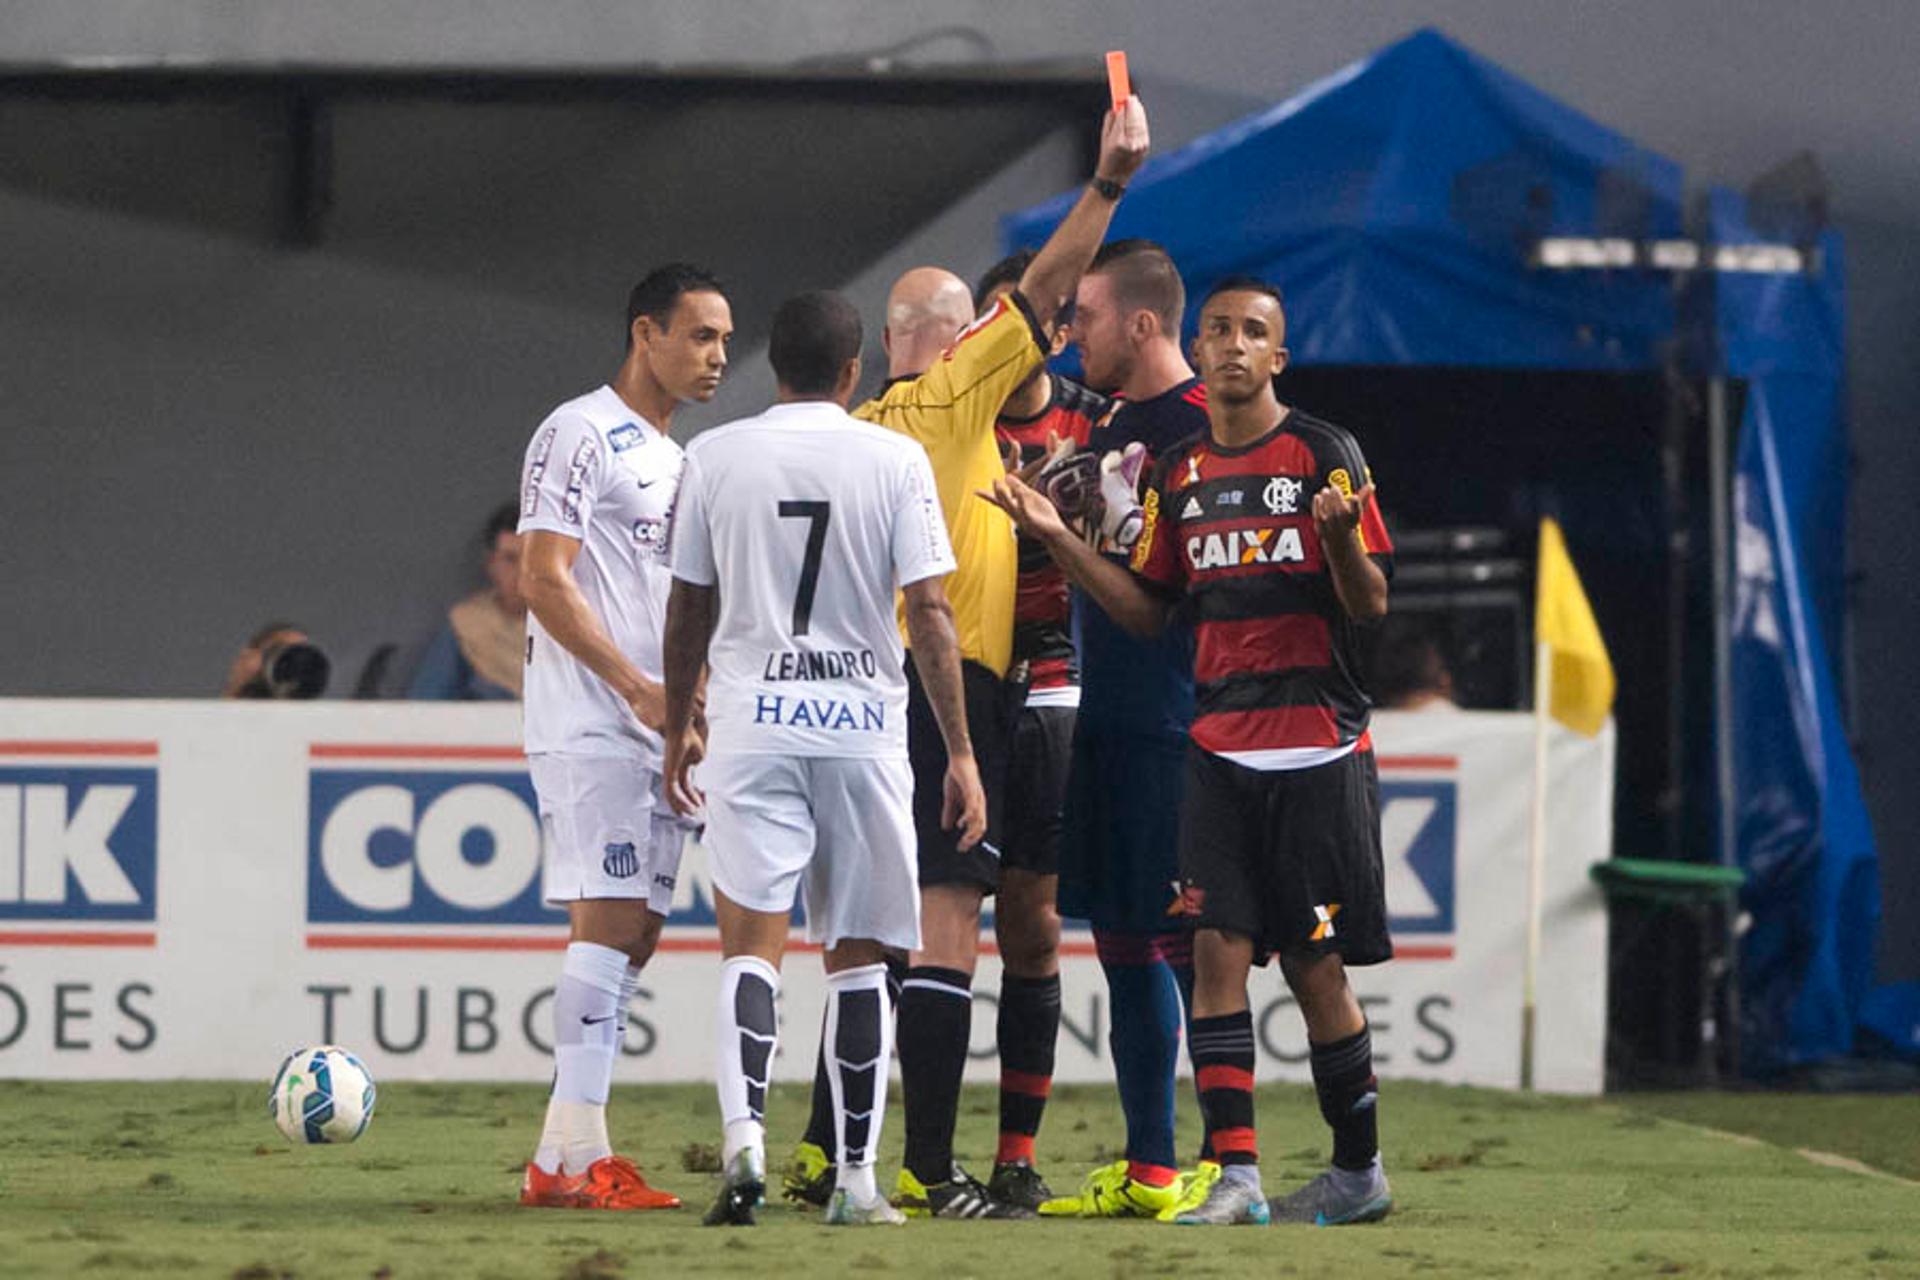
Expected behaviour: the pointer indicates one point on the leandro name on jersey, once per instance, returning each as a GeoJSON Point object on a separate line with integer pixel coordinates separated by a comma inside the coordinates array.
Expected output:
{"type": "Point", "coordinates": [802, 664]}
{"type": "Point", "coordinates": [814, 520]}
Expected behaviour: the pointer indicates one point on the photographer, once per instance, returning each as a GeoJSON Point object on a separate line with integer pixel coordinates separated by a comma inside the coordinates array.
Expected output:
{"type": "Point", "coordinates": [279, 661]}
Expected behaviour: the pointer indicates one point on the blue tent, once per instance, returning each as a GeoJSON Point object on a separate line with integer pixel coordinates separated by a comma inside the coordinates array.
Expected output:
{"type": "Point", "coordinates": [1395, 202]}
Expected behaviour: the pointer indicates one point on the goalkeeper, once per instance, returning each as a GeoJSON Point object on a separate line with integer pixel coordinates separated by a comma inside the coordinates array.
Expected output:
{"type": "Point", "coordinates": [1118, 857]}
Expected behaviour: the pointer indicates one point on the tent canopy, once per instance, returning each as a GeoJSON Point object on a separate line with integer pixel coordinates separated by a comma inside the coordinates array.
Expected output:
{"type": "Point", "coordinates": [1397, 203]}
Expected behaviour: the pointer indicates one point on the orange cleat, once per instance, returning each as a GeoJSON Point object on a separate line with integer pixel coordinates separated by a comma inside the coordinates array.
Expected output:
{"type": "Point", "coordinates": [542, 1190]}
{"type": "Point", "coordinates": [614, 1183]}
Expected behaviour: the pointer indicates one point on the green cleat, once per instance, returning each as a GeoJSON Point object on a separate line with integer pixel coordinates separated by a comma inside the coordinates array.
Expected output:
{"type": "Point", "coordinates": [1338, 1198]}
{"type": "Point", "coordinates": [1192, 1189]}
{"type": "Point", "coordinates": [808, 1177]}
{"type": "Point", "coordinates": [1109, 1193]}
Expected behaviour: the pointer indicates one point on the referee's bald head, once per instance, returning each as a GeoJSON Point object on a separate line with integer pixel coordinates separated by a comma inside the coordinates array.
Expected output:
{"type": "Point", "coordinates": [814, 346]}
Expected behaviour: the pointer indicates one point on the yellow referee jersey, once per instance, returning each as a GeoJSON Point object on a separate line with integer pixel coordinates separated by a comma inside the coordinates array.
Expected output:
{"type": "Point", "coordinates": [951, 410]}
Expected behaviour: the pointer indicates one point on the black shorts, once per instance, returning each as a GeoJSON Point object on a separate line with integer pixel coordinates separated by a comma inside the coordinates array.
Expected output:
{"type": "Point", "coordinates": [1037, 789]}
{"type": "Point", "coordinates": [1119, 860]}
{"type": "Point", "coordinates": [1290, 858]}
{"type": "Point", "coordinates": [992, 704]}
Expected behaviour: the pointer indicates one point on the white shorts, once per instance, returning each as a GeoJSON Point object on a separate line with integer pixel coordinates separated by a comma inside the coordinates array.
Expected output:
{"type": "Point", "coordinates": [835, 830]}
{"type": "Point", "coordinates": [605, 831]}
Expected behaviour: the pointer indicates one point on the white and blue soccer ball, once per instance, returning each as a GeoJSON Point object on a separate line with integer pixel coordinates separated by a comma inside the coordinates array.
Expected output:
{"type": "Point", "coordinates": [322, 1094]}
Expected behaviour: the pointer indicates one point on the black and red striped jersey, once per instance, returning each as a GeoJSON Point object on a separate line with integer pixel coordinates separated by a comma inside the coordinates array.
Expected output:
{"type": "Point", "coordinates": [1042, 611]}
{"type": "Point", "coordinates": [1275, 655]}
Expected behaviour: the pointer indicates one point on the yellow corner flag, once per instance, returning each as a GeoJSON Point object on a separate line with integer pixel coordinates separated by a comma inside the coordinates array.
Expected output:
{"type": "Point", "coordinates": [1583, 685]}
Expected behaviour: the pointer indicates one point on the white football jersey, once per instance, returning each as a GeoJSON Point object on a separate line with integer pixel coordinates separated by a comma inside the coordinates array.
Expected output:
{"type": "Point", "coordinates": [599, 472]}
{"type": "Point", "coordinates": [808, 522]}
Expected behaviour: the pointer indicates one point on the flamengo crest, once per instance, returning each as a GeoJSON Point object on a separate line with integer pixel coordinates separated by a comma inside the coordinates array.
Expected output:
{"type": "Point", "coordinates": [1282, 495]}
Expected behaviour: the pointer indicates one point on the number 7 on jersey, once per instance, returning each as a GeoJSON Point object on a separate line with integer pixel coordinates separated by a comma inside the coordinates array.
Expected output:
{"type": "Point", "coordinates": [816, 514]}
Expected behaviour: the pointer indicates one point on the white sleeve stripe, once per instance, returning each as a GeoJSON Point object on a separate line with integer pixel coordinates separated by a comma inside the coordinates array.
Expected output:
{"type": "Point", "coordinates": [549, 524]}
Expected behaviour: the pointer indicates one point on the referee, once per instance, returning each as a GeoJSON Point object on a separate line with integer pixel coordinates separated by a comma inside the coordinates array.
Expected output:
{"type": "Point", "coordinates": [949, 376]}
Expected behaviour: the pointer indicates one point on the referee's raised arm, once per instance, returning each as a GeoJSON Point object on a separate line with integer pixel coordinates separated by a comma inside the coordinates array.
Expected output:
{"type": "Point", "coordinates": [1050, 279]}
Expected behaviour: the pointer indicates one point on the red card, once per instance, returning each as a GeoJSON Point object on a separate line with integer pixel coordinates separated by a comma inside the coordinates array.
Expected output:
{"type": "Point", "coordinates": [1117, 81]}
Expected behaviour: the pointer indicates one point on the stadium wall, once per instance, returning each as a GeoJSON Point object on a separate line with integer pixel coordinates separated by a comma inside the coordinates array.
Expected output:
{"type": "Point", "coordinates": [192, 889]}
{"type": "Point", "coordinates": [1727, 91]}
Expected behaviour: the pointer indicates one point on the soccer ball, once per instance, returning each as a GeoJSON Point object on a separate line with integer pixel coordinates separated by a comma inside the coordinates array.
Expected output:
{"type": "Point", "coordinates": [322, 1094]}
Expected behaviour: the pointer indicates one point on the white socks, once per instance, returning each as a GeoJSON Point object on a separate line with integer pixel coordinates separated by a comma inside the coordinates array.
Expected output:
{"type": "Point", "coordinates": [628, 985]}
{"type": "Point", "coordinates": [747, 1031]}
{"type": "Point", "coordinates": [589, 1017]}
{"type": "Point", "coordinates": [858, 1040]}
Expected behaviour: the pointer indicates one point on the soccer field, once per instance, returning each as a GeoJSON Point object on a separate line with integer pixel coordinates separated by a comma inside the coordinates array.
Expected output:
{"type": "Point", "coordinates": [192, 1179]}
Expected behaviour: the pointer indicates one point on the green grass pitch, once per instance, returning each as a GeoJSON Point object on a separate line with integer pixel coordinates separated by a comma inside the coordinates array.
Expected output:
{"type": "Point", "coordinates": [191, 1179]}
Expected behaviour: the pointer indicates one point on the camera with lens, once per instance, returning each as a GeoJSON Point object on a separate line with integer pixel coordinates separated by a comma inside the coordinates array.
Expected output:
{"type": "Point", "coordinates": [289, 669]}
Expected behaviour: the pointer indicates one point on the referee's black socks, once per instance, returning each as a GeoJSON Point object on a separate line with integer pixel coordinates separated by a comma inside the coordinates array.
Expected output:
{"type": "Point", "coordinates": [936, 1014]}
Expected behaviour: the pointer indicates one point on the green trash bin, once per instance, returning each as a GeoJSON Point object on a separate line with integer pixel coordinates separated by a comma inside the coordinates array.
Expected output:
{"type": "Point", "coordinates": [1672, 999]}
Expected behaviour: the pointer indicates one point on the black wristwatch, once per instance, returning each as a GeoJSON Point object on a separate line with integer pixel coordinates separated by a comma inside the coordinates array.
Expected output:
{"type": "Point", "coordinates": [1108, 188]}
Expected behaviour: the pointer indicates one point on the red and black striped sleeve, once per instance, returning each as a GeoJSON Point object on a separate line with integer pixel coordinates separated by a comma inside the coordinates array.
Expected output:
{"type": "Point", "coordinates": [1156, 556]}
{"type": "Point", "coordinates": [1342, 467]}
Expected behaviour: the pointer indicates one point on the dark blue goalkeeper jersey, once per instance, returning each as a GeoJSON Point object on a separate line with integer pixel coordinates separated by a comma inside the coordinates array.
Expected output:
{"type": "Point", "coordinates": [1127, 684]}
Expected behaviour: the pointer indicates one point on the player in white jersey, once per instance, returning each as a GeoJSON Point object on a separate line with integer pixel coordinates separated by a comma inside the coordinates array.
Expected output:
{"type": "Point", "coordinates": [794, 531]}
{"type": "Point", "coordinates": [597, 495]}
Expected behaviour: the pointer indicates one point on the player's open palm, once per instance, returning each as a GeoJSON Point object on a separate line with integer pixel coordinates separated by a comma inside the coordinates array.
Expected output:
{"type": "Point", "coordinates": [1030, 509]}
{"type": "Point", "coordinates": [963, 808]}
{"type": "Point", "coordinates": [1336, 514]}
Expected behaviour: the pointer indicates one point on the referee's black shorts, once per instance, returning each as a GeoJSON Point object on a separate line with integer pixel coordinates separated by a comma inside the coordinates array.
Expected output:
{"type": "Point", "coordinates": [1289, 858]}
{"type": "Point", "coordinates": [993, 704]}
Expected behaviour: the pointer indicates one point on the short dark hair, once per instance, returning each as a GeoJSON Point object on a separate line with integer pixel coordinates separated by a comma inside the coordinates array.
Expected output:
{"type": "Point", "coordinates": [1407, 660]}
{"type": "Point", "coordinates": [813, 337]}
{"type": "Point", "coordinates": [1144, 279]}
{"type": "Point", "coordinates": [1006, 271]}
{"type": "Point", "coordinates": [661, 289]}
{"type": "Point", "coordinates": [1244, 284]}
{"type": "Point", "coordinates": [505, 519]}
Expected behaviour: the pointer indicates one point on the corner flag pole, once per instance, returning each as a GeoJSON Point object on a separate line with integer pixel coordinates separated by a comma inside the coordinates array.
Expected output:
{"type": "Point", "coordinates": [1536, 856]}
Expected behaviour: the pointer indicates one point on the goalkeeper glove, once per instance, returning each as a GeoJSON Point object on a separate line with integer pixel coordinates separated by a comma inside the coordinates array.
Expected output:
{"type": "Point", "coordinates": [1122, 519]}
